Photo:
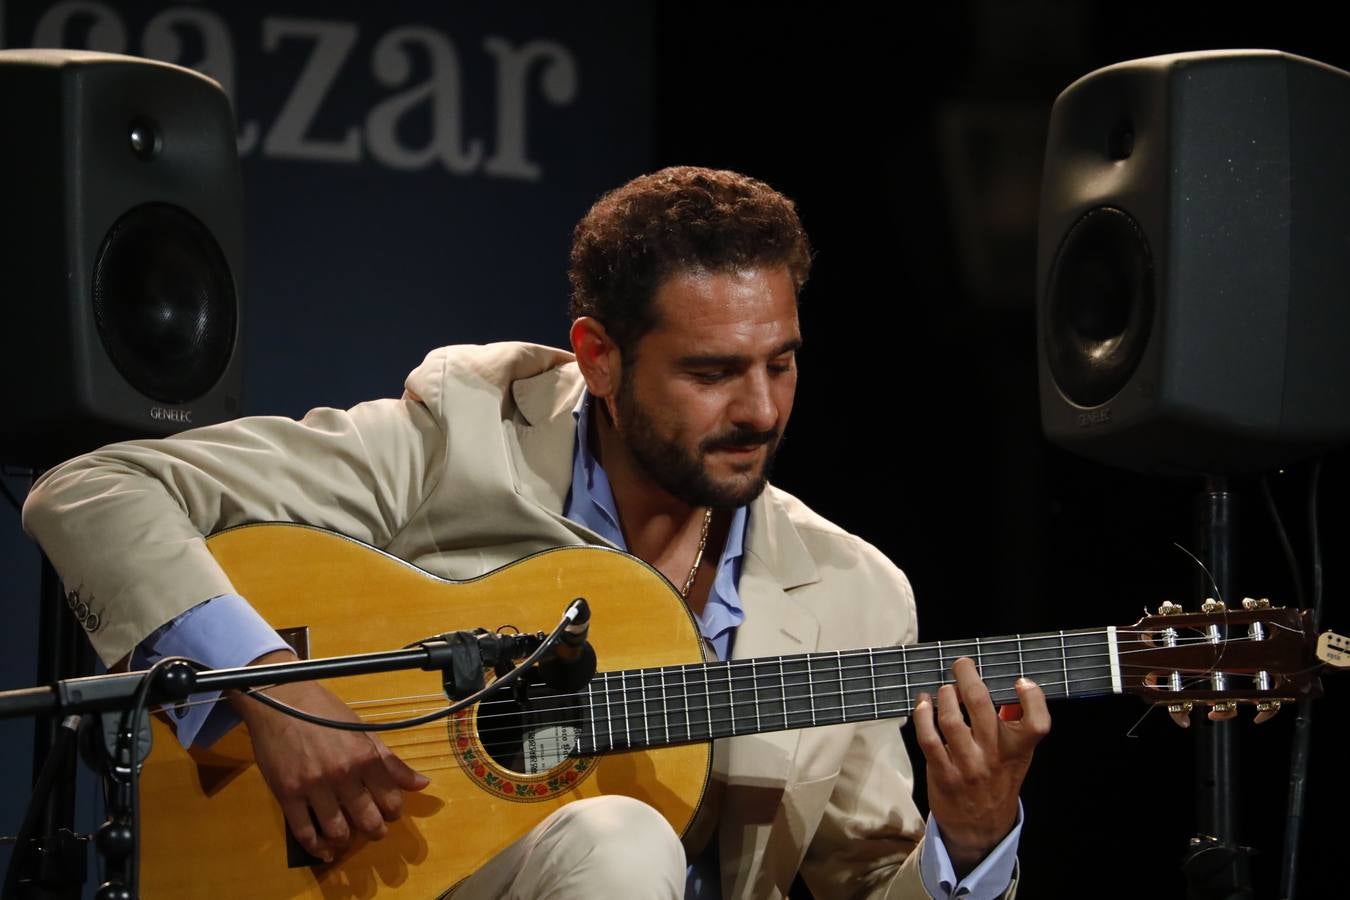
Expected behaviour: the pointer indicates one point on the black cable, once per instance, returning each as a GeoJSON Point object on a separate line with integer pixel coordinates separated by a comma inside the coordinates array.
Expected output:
{"type": "Point", "coordinates": [1283, 535]}
{"type": "Point", "coordinates": [1298, 758]}
{"type": "Point", "coordinates": [54, 764]}
{"type": "Point", "coordinates": [505, 681]}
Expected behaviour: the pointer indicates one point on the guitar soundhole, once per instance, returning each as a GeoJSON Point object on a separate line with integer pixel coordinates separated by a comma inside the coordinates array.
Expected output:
{"type": "Point", "coordinates": [532, 737]}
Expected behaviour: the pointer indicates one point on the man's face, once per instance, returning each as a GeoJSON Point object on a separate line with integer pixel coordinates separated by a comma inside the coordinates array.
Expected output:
{"type": "Point", "coordinates": [703, 405]}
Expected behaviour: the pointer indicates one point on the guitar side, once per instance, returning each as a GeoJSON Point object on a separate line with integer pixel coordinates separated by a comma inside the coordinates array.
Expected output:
{"type": "Point", "coordinates": [210, 825]}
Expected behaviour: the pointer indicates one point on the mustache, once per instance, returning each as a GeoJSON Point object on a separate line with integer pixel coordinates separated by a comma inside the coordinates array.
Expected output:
{"type": "Point", "coordinates": [741, 437]}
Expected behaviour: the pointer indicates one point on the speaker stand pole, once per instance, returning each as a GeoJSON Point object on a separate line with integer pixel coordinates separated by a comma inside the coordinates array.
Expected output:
{"type": "Point", "coordinates": [1216, 866]}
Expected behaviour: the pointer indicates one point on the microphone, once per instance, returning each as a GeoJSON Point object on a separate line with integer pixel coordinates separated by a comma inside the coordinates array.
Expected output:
{"type": "Point", "coordinates": [571, 664]}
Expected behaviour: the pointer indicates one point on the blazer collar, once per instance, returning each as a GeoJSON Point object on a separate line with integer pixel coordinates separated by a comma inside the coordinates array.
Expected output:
{"type": "Point", "coordinates": [546, 435]}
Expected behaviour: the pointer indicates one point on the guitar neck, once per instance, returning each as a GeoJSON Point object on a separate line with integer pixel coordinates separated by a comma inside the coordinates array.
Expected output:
{"type": "Point", "coordinates": [678, 704]}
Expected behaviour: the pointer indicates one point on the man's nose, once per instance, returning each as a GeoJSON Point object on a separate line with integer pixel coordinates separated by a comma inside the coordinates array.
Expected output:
{"type": "Point", "coordinates": [755, 408]}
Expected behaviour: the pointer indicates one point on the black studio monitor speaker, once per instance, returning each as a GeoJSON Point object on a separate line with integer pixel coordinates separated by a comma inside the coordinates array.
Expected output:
{"type": "Point", "coordinates": [1193, 297]}
{"type": "Point", "coordinates": [121, 252]}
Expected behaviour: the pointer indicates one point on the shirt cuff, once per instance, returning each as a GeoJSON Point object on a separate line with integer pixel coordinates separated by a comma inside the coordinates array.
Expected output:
{"type": "Point", "coordinates": [223, 633]}
{"type": "Point", "coordinates": [987, 881]}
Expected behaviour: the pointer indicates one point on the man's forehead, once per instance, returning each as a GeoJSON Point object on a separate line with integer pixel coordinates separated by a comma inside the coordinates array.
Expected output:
{"type": "Point", "coordinates": [688, 297]}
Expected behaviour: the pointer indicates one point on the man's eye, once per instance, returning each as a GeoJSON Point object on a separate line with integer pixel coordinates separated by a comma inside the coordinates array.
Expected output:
{"type": "Point", "coordinates": [710, 377]}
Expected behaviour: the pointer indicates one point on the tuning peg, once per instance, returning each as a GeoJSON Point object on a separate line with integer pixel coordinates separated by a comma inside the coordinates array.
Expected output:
{"type": "Point", "coordinates": [1169, 609]}
{"type": "Point", "coordinates": [1249, 603]}
{"type": "Point", "coordinates": [1266, 710]}
{"type": "Point", "coordinates": [1226, 709]}
{"type": "Point", "coordinates": [1180, 712]}
{"type": "Point", "coordinates": [1211, 605]}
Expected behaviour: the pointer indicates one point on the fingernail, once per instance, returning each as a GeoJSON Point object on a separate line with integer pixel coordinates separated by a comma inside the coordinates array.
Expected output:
{"type": "Point", "coordinates": [422, 780]}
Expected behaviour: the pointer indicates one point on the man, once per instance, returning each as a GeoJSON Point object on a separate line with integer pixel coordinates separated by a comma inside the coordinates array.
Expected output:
{"type": "Point", "coordinates": [655, 436]}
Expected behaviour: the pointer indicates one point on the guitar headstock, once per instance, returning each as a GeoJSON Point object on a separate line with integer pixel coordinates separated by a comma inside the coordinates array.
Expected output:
{"type": "Point", "coordinates": [1259, 654]}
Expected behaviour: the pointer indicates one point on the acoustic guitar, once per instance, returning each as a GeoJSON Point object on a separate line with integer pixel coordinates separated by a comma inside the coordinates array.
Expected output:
{"type": "Point", "coordinates": [643, 727]}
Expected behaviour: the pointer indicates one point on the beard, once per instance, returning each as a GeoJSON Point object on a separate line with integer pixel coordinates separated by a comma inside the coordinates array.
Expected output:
{"type": "Point", "coordinates": [681, 472]}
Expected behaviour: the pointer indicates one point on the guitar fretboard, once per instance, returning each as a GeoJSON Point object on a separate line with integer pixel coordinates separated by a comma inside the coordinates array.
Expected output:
{"type": "Point", "coordinates": [698, 702]}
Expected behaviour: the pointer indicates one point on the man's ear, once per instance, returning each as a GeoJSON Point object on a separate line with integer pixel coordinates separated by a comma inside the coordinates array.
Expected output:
{"type": "Point", "coordinates": [597, 356]}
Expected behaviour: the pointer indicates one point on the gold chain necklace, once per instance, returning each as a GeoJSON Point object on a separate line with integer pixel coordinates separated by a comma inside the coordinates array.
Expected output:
{"type": "Point", "coordinates": [698, 557]}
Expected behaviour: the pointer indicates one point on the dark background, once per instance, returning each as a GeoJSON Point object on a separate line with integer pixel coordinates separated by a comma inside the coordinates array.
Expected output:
{"type": "Point", "coordinates": [911, 139]}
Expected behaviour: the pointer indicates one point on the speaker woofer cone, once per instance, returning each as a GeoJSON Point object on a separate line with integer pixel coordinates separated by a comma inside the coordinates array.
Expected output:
{"type": "Point", "coordinates": [1099, 309]}
{"type": "Point", "coordinates": [164, 303]}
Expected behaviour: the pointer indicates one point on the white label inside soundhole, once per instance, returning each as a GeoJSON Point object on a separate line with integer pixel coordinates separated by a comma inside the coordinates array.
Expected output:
{"type": "Point", "coordinates": [544, 748]}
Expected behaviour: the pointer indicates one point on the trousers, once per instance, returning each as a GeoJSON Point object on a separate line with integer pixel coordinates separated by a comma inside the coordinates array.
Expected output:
{"type": "Point", "coordinates": [599, 847]}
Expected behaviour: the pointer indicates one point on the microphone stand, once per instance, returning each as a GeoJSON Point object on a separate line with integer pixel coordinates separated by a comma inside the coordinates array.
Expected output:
{"type": "Point", "coordinates": [461, 657]}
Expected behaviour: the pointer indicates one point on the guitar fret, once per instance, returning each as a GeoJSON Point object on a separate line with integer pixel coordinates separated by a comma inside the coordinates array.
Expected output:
{"type": "Point", "coordinates": [623, 686]}
{"type": "Point", "coordinates": [708, 699]}
{"type": "Point", "coordinates": [811, 690]}
{"type": "Point", "coordinates": [731, 701]}
{"type": "Point", "coordinates": [979, 659]}
{"type": "Point", "coordinates": [590, 711]}
{"type": "Point", "coordinates": [942, 667]}
{"type": "Point", "coordinates": [1021, 666]}
{"type": "Point", "coordinates": [1064, 661]}
{"type": "Point", "coordinates": [754, 687]}
{"type": "Point", "coordinates": [609, 715]}
{"type": "Point", "coordinates": [872, 670]}
{"type": "Point", "coordinates": [904, 677]}
{"type": "Point", "coordinates": [843, 703]}
{"type": "Point", "coordinates": [782, 683]}
{"type": "Point", "coordinates": [684, 690]}
{"type": "Point", "coordinates": [665, 715]}
{"type": "Point", "coordinates": [642, 694]}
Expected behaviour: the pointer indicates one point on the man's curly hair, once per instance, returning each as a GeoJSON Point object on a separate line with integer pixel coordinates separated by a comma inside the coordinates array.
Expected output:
{"type": "Point", "coordinates": [679, 219]}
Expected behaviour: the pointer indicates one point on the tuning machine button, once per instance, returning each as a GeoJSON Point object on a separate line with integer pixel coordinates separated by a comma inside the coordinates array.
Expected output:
{"type": "Point", "coordinates": [1180, 713]}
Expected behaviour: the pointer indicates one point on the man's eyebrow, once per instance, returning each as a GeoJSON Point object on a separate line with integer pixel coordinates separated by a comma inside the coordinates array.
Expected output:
{"type": "Point", "coordinates": [699, 360]}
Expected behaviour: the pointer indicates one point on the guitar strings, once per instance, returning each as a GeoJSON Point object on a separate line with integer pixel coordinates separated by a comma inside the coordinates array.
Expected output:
{"type": "Point", "coordinates": [747, 671]}
{"type": "Point", "coordinates": [630, 736]}
{"type": "Point", "coordinates": [730, 679]}
{"type": "Point", "coordinates": [881, 709]}
{"type": "Point", "coordinates": [921, 665]}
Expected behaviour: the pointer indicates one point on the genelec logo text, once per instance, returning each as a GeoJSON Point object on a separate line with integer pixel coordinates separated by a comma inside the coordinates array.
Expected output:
{"type": "Point", "coordinates": [1095, 417]}
{"type": "Point", "coordinates": [160, 414]}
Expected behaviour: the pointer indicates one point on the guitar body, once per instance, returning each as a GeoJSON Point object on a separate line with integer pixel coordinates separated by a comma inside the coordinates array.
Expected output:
{"type": "Point", "coordinates": [210, 825]}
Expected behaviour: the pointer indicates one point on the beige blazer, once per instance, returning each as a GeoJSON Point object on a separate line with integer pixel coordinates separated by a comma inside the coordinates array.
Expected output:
{"type": "Point", "coordinates": [466, 472]}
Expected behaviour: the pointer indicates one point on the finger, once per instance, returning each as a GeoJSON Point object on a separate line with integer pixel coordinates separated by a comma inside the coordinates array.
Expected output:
{"type": "Point", "coordinates": [380, 786]}
{"type": "Point", "coordinates": [302, 828]}
{"type": "Point", "coordinates": [363, 812]}
{"type": "Point", "coordinates": [328, 814]}
{"type": "Point", "coordinates": [1010, 712]}
{"type": "Point", "coordinates": [404, 775]}
{"type": "Point", "coordinates": [930, 742]}
{"type": "Point", "coordinates": [1036, 717]}
{"type": "Point", "coordinates": [974, 696]}
{"type": "Point", "coordinates": [961, 744]}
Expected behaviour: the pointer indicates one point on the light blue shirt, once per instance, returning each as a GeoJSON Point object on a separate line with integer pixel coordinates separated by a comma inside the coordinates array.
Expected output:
{"type": "Point", "coordinates": [225, 632]}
